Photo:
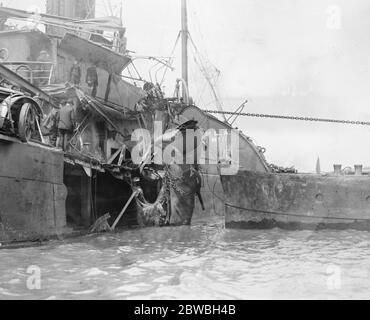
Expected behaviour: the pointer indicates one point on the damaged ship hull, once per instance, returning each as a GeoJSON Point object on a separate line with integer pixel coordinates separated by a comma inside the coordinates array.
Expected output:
{"type": "Point", "coordinates": [259, 200]}
{"type": "Point", "coordinates": [32, 193]}
{"type": "Point", "coordinates": [66, 89]}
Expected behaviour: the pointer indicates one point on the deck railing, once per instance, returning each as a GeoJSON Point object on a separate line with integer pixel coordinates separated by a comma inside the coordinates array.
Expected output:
{"type": "Point", "coordinates": [36, 72]}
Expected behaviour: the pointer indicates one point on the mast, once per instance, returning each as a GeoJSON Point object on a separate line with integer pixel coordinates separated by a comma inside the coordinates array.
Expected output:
{"type": "Point", "coordinates": [121, 12]}
{"type": "Point", "coordinates": [184, 35]}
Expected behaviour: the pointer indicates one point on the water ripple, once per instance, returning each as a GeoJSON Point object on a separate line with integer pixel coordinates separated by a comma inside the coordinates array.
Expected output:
{"type": "Point", "coordinates": [200, 262]}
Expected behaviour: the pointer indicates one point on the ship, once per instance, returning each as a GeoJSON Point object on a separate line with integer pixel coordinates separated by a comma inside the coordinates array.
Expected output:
{"type": "Point", "coordinates": [85, 181]}
{"type": "Point", "coordinates": [267, 196]}
{"type": "Point", "coordinates": [293, 201]}
{"type": "Point", "coordinates": [253, 193]}
{"type": "Point", "coordinates": [93, 184]}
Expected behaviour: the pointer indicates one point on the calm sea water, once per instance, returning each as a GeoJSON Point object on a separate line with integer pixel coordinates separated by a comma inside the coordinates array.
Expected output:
{"type": "Point", "coordinates": [204, 261]}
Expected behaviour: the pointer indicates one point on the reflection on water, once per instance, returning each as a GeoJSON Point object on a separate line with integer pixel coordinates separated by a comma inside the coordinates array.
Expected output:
{"type": "Point", "coordinates": [204, 261]}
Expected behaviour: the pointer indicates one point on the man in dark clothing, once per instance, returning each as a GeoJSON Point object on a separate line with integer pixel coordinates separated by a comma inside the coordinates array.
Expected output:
{"type": "Point", "coordinates": [66, 125]}
{"type": "Point", "coordinates": [43, 69]}
{"type": "Point", "coordinates": [50, 124]}
{"type": "Point", "coordinates": [92, 80]}
{"type": "Point", "coordinates": [75, 74]}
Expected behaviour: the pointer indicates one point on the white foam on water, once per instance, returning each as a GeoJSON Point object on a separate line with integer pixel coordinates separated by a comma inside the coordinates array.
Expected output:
{"type": "Point", "coordinates": [155, 264]}
{"type": "Point", "coordinates": [5, 292]}
{"type": "Point", "coordinates": [164, 279]}
{"type": "Point", "coordinates": [15, 281]}
{"type": "Point", "coordinates": [114, 268]}
{"type": "Point", "coordinates": [124, 249]}
{"type": "Point", "coordinates": [133, 288]}
{"type": "Point", "coordinates": [95, 272]}
{"type": "Point", "coordinates": [85, 292]}
{"type": "Point", "coordinates": [134, 271]}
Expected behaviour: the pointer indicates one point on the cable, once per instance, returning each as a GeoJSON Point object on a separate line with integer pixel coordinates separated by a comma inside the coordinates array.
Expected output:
{"type": "Point", "coordinates": [208, 77]}
{"type": "Point", "coordinates": [295, 118]}
{"type": "Point", "coordinates": [170, 60]}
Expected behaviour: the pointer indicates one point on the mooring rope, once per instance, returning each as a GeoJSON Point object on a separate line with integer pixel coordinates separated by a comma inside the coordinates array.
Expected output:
{"type": "Point", "coordinates": [276, 213]}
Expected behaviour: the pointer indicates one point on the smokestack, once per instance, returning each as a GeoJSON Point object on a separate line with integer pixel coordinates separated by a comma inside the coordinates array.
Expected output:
{"type": "Point", "coordinates": [318, 166]}
{"type": "Point", "coordinates": [338, 169]}
{"type": "Point", "coordinates": [78, 9]}
{"type": "Point", "coordinates": [358, 169]}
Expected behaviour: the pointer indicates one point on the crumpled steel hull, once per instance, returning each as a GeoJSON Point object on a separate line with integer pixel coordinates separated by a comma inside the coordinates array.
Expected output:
{"type": "Point", "coordinates": [289, 201]}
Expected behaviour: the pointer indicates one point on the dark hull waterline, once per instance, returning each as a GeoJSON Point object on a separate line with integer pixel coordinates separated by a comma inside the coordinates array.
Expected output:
{"type": "Point", "coordinates": [288, 201]}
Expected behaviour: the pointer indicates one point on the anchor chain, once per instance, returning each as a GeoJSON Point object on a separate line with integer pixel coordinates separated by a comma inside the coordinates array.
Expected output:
{"type": "Point", "coordinates": [308, 119]}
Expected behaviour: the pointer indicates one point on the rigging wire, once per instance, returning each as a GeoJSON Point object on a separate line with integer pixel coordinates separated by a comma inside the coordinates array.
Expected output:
{"type": "Point", "coordinates": [207, 76]}
{"type": "Point", "coordinates": [170, 60]}
{"type": "Point", "coordinates": [90, 9]}
{"type": "Point", "coordinates": [157, 72]}
{"type": "Point", "coordinates": [150, 71]}
{"type": "Point", "coordinates": [137, 72]}
{"type": "Point", "coordinates": [202, 66]}
{"type": "Point", "coordinates": [201, 88]}
{"type": "Point", "coordinates": [130, 74]}
{"type": "Point", "coordinates": [108, 7]}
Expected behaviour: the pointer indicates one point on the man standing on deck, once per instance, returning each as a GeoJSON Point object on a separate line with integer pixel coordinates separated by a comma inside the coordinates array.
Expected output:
{"type": "Point", "coordinates": [92, 80]}
{"type": "Point", "coordinates": [50, 124]}
{"type": "Point", "coordinates": [66, 125]}
{"type": "Point", "coordinates": [75, 74]}
{"type": "Point", "coordinates": [43, 69]}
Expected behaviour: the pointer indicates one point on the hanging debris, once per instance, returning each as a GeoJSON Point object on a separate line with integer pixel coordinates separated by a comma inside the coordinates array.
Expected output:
{"type": "Point", "coordinates": [66, 120]}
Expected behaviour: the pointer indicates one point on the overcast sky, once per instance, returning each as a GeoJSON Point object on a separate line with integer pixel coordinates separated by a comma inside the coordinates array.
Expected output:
{"type": "Point", "coordinates": [293, 57]}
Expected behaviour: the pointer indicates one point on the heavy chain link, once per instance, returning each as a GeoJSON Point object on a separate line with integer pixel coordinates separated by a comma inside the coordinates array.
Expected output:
{"type": "Point", "coordinates": [308, 119]}
{"type": "Point", "coordinates": [171, 182]}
